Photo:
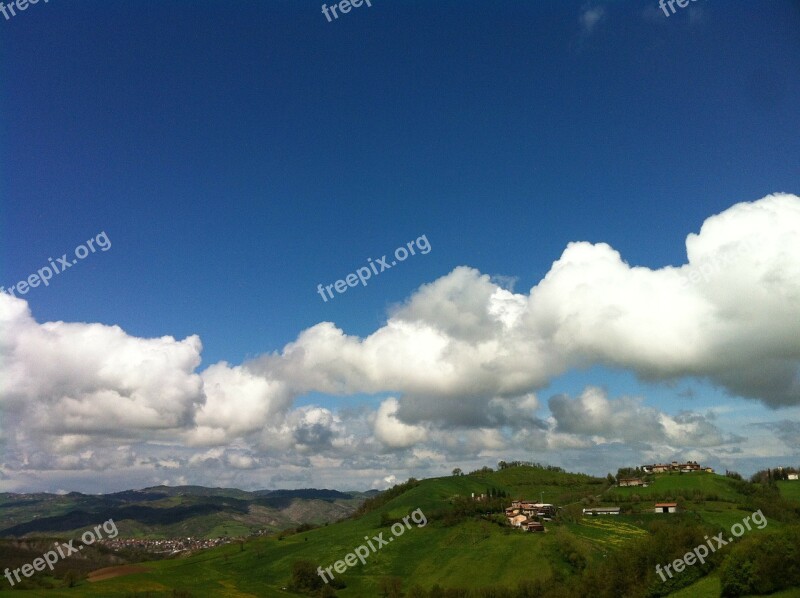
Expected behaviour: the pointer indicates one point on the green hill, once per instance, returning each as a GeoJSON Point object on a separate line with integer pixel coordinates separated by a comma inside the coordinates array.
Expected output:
{"type": "Point", "coordinates": [461, 546]}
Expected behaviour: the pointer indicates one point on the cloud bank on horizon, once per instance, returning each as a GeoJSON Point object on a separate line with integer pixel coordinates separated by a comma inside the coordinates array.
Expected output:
{"type": "Point", "coordinates": [462, 358]}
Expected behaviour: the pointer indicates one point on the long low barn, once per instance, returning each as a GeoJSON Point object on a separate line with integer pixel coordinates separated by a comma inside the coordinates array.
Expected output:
{"type": "Point", "coordinates": [601, 511]}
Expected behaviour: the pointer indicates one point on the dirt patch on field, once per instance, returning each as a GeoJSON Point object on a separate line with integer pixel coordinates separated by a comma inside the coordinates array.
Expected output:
{"type": "Point", "coordinates": [119, 571]}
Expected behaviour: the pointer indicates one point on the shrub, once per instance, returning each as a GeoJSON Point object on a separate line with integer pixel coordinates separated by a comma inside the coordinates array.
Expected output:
{"type": "Point", "coordinates": [304, 577]}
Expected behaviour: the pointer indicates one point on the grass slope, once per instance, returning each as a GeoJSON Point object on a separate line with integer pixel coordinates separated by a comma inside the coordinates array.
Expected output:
{"type": "Point", "coordinates": [469, 554]}
{"type": "Point", "coordinates": [790, 490]}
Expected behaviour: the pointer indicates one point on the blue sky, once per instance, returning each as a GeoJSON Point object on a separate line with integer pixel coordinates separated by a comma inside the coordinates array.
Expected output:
{"type": "Point", "coordinates": [239, 154]}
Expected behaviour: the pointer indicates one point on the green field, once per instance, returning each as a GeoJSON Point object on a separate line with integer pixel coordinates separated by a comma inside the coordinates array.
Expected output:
{"type": "Point", "coordinates": [709, 587]}
{"type": "Point", "coordinates": [790, 490]}
{"type": "Point", "coordinates": [673, 486]}
{"type": "Point", "coordinates": [469, 554]}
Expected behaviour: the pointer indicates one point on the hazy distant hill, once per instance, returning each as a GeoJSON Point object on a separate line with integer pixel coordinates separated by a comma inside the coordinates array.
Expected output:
{"type": "Point", "coordinates": [163, 512]}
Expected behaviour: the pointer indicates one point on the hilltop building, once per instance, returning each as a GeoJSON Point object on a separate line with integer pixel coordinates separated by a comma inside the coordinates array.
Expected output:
{"type": "Point", "coordinates": [688, 467]}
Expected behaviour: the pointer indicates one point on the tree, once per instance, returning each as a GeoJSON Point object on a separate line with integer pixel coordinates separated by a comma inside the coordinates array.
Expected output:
{"type": "Point", "coordinates": [327, 592]}
{"type": "Point", "coordinates": [304, 577]}
{"type": "Point", "coordinates": [417, 591]}
{"type": "Point", "coordinates": [436, 591]}
{"type": "Point", "coordinates": [391, 587]}
{"type": "Point", "coordinates": [457, 471]}
{"type": "Point", "coordinates": [70, 579]}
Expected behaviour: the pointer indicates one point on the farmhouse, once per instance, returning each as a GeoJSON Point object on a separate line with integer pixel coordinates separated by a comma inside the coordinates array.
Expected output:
{"type": "Point", "coordinates": [517, 520]}
{"type": "Point", "coordinates": [666, 507]}
{"type": "Point", "coordinates": [524, 513]}
{"type": "Point", "coordinates": [535, 526]}
{"type": "Point", "coordinates": [630, 482]}
{"type": "Point", "coordinates": [657, 468]}
{"type": "Point", "coordinates": [601, 511]}
{"type": "Point", "coordinates": [531, 509]}
{"type": "Point", "coordinates": [791, 476]}
{"type": "Point", "coordinates": [538, 509]}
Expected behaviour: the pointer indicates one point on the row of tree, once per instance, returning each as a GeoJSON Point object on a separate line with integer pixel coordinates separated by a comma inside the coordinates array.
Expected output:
{"type": "Point", "coordinates": [507, 465]}
{"type": "Point", "coordinates": [767, 476]}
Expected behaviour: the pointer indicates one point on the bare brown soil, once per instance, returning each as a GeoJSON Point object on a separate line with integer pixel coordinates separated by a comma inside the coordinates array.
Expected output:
{"type": "Point", "coordinates": [118, 571]}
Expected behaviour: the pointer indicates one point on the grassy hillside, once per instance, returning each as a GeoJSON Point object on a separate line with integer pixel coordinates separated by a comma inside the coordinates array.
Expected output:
{"type": "Point", "coordinates": [672, 486]}
{"type": "Point", "coordinates": [458, 552]}
{"type": "Point", "coordinates": [790, 490]}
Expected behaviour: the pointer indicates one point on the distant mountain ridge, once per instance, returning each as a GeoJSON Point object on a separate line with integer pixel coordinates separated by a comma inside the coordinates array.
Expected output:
{"type": "Point", "coordinates": [175, 511]}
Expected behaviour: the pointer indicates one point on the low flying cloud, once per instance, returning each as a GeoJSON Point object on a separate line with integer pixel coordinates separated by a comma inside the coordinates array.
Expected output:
{"type": "Point", "coordinates": [629, 420]}
{"type": "Point", "coordinates": [462, 359]}
{"type": "Point", "coordinates": [787, 431]}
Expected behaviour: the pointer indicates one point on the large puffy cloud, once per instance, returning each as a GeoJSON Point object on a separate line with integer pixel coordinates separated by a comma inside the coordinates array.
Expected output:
{"type": "Point", "coordinates": [731, 314]}
{"type": "Point", "coordinates": [463, 354]}
{"type": "Point", "coordinates": [237, 402]}
{"type": "Point", "coordinates": [91, 378]}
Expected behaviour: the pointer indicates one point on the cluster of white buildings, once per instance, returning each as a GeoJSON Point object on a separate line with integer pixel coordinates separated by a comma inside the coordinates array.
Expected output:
{"type": "Point", "coordinates": [171, 546]}
{"type": "Point", "coordinates": [687, 467]}
{"type": "Point", "coordinates": [528, 516]}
